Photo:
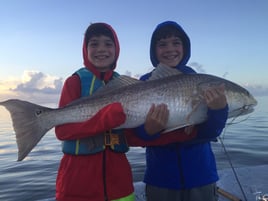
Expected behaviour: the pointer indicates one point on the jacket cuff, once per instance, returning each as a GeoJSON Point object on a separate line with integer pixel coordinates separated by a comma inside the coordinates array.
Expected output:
{"type": "Point", "coordinates": [214, 125]}
{"type": "Point", "coordinates": [141, 133]}
{"type": "Point", "coordinates": [218, 116]}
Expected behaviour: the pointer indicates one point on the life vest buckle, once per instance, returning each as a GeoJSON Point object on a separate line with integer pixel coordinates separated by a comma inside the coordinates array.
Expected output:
{"type": "Point", "coordinates": [111, 139]}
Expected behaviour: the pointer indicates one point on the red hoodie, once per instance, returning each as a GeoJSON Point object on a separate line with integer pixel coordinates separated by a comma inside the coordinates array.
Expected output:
{"type": "Point", "coordinates": [96, 177]}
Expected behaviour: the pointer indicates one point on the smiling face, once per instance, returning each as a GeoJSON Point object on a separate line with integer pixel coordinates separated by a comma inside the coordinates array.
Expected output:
{"type": "Point", "coordinates": [169, 51]}
{"type": "Point", "coordinates": [101, 52]}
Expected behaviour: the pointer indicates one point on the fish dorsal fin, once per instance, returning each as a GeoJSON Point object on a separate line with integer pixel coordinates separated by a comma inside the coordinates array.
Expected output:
{"type": "Point", "coordinates": [125, 80]}
{"type": "Point", "coordinates": [162, 71]}
{"type": "Point", "coordinates": [117, 83]}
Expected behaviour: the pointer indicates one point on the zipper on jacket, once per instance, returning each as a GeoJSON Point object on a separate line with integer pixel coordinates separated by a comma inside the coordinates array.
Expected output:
{"type": "Point", "coordinates": [104, 174]}
{"type": "Point", "coordinates": [180, 169]}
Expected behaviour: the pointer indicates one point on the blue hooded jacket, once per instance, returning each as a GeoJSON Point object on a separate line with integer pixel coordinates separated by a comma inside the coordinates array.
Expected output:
{"type": "Point", "coordinates": [183, 165]}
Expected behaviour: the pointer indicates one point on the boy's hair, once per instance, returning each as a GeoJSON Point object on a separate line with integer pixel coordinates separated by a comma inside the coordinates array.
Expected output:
{"type": "Point", "coordinates": [166, 32]}
{"type": "Point", "coordinates": [98, 29]}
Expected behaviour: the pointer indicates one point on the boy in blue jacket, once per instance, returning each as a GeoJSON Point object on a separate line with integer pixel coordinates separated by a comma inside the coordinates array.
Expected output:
{"type": "Point", "coordinates": [182, 171]}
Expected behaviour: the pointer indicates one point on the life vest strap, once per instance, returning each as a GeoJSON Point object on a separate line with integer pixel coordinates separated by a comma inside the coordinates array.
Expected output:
{"type": "Point", "coordinates": [94, 144]}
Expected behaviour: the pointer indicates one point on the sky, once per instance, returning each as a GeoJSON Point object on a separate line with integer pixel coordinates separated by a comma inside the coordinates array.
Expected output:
{"type": "Point", "coordinates": [41, 41]}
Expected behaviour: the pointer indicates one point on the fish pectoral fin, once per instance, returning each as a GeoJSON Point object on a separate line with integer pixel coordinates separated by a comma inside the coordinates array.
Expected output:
{"type": "Point", "coordinates": [172, 129]}
{"type": "Point", "coordinates": [195, 105]}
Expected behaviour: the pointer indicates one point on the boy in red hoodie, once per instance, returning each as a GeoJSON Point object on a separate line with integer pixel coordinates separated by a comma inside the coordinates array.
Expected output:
{"type": "Point", "coordinates": [102, 173]}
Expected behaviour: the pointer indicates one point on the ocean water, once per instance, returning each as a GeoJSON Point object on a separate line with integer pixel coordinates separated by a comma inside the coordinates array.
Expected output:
{"type": "Point", "coordinates": [245, 144]}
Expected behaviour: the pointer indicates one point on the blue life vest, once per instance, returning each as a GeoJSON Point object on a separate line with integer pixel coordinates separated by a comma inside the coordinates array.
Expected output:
{"type": "Point", "coordinates": [114, 139]}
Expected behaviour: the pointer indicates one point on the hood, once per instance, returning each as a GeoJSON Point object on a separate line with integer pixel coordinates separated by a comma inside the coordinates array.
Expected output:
{"type": "Point", "coordinates": [185, 39]}
{"type": "Point", "coordinates": [107, 75]}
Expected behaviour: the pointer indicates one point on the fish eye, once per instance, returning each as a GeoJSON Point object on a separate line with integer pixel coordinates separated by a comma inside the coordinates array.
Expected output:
{"type": "Point", "coordinates": [245, 107]}
{"type": "Point", "coordinates": [38, 112]}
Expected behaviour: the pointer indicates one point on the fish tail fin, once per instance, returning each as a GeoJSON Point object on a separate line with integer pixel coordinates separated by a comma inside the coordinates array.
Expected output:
{"type": "Point", "coordinates": [27, 123]}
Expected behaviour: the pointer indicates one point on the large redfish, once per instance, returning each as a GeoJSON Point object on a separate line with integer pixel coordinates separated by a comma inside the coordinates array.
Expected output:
{"type": "Point", "coordinates": [183, 95]}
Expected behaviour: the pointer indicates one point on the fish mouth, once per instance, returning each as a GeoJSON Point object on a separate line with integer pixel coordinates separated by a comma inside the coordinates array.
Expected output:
{"type": "Point", "coordinates": [249, 109]}
{"type": "Point", "coordinates": [246, 109]}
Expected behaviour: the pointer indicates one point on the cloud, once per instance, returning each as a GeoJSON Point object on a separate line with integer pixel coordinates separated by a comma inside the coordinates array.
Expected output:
{"type": "Point", "coordinates": [257, 90]}
{"type": "Point", "coordinates": [128, 73]}
{"type": "Point", "coordinates": [38, 82]}
{"type": "Point", "coordinates": [34, 86]}
{"type": "Point", "coordinates": [198, 67]}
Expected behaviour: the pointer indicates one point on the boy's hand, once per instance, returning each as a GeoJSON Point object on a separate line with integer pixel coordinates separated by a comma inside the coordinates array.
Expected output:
{"type": "Point", "coordinates": [156, 119]}
{"type": "Point", "coordinates": [189, 129]}
{"type": "Point", "coordinates": [215, 97]}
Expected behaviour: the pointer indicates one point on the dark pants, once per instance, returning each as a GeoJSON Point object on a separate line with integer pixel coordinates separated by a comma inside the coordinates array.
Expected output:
{"type": "Point", "coordinates": [204, 193]}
